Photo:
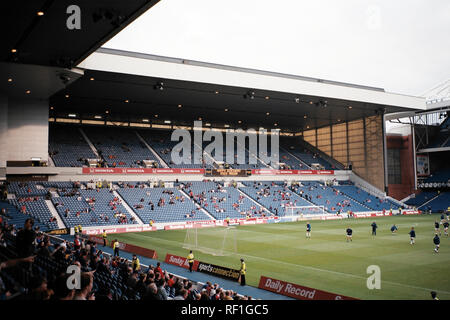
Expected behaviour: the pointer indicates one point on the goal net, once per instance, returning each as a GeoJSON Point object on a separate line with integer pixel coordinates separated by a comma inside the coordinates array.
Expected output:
{"type": "Point", "coordinates": [215, 241]}
{"type": "Point", "coordinates": [305, 210]}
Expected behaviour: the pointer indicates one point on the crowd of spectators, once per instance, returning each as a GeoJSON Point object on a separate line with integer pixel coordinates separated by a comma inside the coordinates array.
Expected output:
{"type": "Point", "coordinates": [34, 250]}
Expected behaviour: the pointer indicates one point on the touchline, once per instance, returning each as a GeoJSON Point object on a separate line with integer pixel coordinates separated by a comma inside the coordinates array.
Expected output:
{"type": "Point", "coordinates": [236, 146]}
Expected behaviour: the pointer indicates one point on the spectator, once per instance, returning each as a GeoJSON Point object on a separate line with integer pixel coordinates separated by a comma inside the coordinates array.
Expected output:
{"type": "Point", "coordinates": [161, 292]}
{"type": "Point", "coordinates": [84, 293]}
{"type": "Point", "coordinates": [182, 295]}
{"type": "Point", "coordinates": [25, 239]}
{"type": "Point", "coordinates": [62, 292]}
{"type": "Point", "coordinates": [4, 294]}
{"type": "Point", "coordinates": [151, 292]}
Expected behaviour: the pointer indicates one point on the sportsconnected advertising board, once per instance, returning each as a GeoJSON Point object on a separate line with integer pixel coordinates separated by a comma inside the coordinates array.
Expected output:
{"type": "Point", "coordinates": [219, 271]}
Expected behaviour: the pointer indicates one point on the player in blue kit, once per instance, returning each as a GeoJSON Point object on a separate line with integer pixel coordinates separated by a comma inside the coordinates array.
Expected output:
{"type": "Point", "coordinates": [436, 242]}
{"type": "Point", "coordinates": [412, 235]}
{"type": "Point", "coordinates": [349, 233]}
{"type": "Point", "coordinates": [437, 228]}
{"type": "Point", "coordinates": [446, 228]}
{"type": "Point", "coordinates": [394, 229]}
{"type": "Point", "coordinates": [374, 228]}
{"type": "Point", "coordinates": [308, 230]}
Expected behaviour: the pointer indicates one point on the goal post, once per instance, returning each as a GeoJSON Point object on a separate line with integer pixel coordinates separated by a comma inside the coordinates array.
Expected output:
{"type": "Point", "coordinates": [218, 241]}
{"type": "Point", "coordinates": [304, 211]}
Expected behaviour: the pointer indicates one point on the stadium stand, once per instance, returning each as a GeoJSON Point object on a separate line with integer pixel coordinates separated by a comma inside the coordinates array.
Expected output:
{"type": "Point", "coordinates": [26, 189]}
{"type": "Point", "coordinates": [120, 147]}
{"type": "Point", "coordinates": [290, 162]}
{"type": "Point", "coordinates": [333, 200]}
{"type": "Point", "coordinates": [77, 205]}
{"type": "Point", "coordinates": [274, 196]}
{"type": "Point", "coordinates": [160, 141]}
{"type": "Point", "coordinates": [161, 205]}
{"type": "Point", "coordinates": [67, 146]}
{"type": "Point", "coordinates": [442, 176]}
{"type": "Point", "coordinates": [300, 151]}
{"type": "Point", "coordinates": [37, 208]}
{"type": "Point", "coordinates": [421, 198]}
{"type": "Point", "coordinates": [92, 208]}
{"type": "Point", "coordinates": [44, 277]}
{"type": "Point", "coordinates": [366, 198]}
{"type": "Point", "coordinates": [439, 204]}
{"type": "Point", "coordinates": [222, 202]}
{"type": "Point", "coordinates": [16, 218]}
{"type": "Point", "coordinates": [442, 138]}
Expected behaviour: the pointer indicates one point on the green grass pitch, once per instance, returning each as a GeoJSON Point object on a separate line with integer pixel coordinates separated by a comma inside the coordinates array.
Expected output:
{"type": "Point", "coordinates": [326, 261]}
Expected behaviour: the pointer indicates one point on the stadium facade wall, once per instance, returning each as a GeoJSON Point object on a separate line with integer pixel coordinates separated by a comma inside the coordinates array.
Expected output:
{"type": "Point", "coordinates": [404, 145]}
{"type": "Point", "coordinates": [359, 143]}
{"type": "Point", "coordinates": [3, 130]}
{"type": "Point", "coordinates": [27, 129]}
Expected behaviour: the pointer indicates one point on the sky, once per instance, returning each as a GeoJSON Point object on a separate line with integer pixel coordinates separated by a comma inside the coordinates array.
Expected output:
{"type": "Point", "coordinates": [400, 45]}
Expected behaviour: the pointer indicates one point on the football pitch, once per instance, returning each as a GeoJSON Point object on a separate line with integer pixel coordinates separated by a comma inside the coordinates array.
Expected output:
{"type": "Point", "coordinates": [327, 261]}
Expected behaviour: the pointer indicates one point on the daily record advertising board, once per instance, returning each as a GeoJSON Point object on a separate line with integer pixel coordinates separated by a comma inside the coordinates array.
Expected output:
{"type": "Point", "coordinates": [296, 291]}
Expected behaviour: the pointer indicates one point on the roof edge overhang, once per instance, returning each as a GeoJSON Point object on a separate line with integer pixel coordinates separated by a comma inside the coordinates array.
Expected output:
{"type": "Point", "coordinates": [124, 62]}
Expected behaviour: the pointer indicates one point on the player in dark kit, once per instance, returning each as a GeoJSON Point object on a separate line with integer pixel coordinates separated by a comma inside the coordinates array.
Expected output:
{"type": "Point", "coordinates": [437, 228]}
{"type": "Point", "coordinates": [436, 242]}
{"type": "Point", "coordinates": [374, 228]}
{"type": "Point", "coordinates": [412, 235]}
{"type": "Point", "coordinates": [349, 233]}
{"type": "Point", "coordinates": [446, 228]}
{"type": "Point", "coordinates": [394, 229]}
{"type": "Point", "coordinates": [308, 230]}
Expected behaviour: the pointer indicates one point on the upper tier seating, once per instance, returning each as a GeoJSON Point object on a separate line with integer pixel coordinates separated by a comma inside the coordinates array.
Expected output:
{"type": "Point", "coordinates": [120, 147]}
{"type": "Point", "coordinates": [67, 146]}
{"type": "Point", "coordinates": [305, 155]}
{"type": "Point", "coordinates": [442, 138]}
{"type": "Point", "coordinates": [160, 141]}
{"type": "Point", "coordinates": [442, 176]}
{"type": "Point", "coordinates": [291, 162]}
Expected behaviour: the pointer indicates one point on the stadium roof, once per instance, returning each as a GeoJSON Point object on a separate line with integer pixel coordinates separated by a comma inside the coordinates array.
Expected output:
{"type": "Point", "coordinates": [438, 96]}
{"type": "Point", "coordinates": [126, 84]}
{"type": "Point", "coordinates": [35, 32]}
{"type": "Point", "coordinates": [69, 68]}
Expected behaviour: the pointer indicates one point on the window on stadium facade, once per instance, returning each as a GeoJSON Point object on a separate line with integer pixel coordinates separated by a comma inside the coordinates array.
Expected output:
{"type": "Point", "coordinates": [394, 166]}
